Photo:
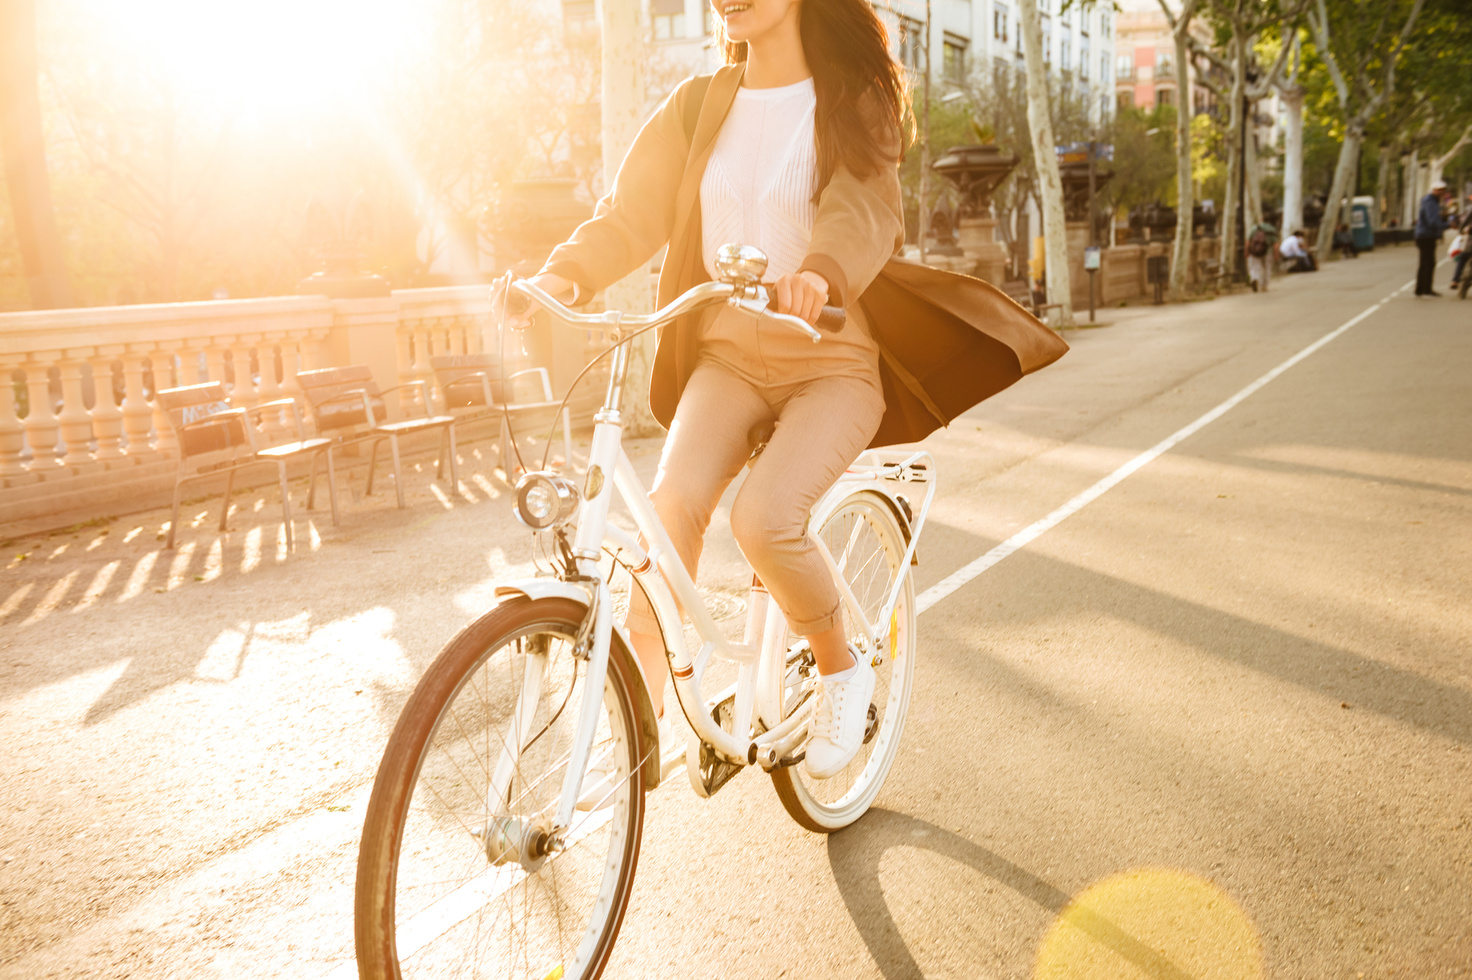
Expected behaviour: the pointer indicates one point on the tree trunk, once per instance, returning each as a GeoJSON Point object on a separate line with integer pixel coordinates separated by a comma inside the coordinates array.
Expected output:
{"type": "Point", "coordinates": [1180, 265]}
{"type": "Point", "coordinates": [23, 145]}
{"type": "Point", "coordinates": [1039, 121]}
{"type": "Point", "coordinates": [1349, 158]}
{"type": "Point", "coordinates": [1228, 233]}
{"type": "Point", "coordinates": [1382, 187]}
{"type": "Point", "coordinates": [623, 110]}
{"type": "Point", "coordinates": [1292, 160]}
{"type": "Point", "coordinates": [1410, 178]}
{"type": "Point", "coordinates": [1254, 177]}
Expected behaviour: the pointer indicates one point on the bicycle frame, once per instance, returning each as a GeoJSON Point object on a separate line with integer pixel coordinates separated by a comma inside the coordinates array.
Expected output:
{"type": "Point", "coordinates": [758, 731]}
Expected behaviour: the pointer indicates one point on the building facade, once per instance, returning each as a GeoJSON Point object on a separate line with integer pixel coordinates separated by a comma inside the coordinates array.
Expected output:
{"type": "Point", "coordinates": [965, 36]}
{"type": "Point", "coordinates": [1146, 75]}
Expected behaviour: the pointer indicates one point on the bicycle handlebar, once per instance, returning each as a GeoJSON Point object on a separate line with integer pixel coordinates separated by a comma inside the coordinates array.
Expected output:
{"type": "Point", "coordinates": [754, 299]}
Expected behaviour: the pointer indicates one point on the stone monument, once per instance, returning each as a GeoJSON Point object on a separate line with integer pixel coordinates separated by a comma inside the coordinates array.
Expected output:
{"type": "Point", "coordinates": [975, 171]}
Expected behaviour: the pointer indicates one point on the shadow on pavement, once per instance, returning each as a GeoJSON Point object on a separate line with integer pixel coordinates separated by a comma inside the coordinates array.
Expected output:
{"type": "Point", "coordinates": [855, 855]}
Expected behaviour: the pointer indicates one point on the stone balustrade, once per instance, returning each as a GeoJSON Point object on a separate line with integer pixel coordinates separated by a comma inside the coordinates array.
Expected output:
{"type": "Point", "coordinates": [78, 422]}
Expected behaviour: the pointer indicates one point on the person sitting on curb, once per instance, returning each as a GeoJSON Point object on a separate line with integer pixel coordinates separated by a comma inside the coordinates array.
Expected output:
{"type": "Point", "coordinates": [1298, 258]}
{"type": "Point", "coordinates": [1344, 242]}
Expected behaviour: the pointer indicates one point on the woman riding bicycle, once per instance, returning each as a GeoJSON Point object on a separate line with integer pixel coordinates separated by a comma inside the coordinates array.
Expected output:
{"type": "Point", "coordinates": [807, 122]}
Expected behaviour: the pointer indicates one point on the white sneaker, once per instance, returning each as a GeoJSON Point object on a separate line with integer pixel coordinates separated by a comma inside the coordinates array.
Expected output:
{"type": "Point", "coordinates": [839, 718]}
{"type": "Point", "coordinates": [602, 778]}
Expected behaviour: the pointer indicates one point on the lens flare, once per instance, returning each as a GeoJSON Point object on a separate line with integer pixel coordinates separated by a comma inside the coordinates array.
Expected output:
{"type": "Point", "coordinates": [1153, 923]}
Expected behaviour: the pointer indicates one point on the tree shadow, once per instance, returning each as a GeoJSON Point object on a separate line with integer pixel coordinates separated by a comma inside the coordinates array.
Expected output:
{"type": "Point", "coordinates": [855, 855]}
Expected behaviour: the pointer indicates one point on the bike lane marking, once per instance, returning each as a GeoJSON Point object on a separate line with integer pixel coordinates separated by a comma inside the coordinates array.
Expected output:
{"type": "Point", "coordinates": [1037, 529]}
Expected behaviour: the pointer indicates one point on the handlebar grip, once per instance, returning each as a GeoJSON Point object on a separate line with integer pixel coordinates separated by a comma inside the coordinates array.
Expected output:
{"type": "Point", "coordinates": [830, 320]}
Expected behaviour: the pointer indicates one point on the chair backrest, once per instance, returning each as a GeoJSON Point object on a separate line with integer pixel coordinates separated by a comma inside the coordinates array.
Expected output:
{"type": "Point", "coordinates": [328, 392]}
{"type": "Point", "coordinates": [192, 403]}
{"type": "Point", "coordinates": [456, 375]}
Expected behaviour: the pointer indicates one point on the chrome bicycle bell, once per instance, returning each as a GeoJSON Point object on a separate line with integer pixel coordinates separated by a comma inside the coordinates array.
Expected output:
{"type": "Point", "coordinates": [743, 265]}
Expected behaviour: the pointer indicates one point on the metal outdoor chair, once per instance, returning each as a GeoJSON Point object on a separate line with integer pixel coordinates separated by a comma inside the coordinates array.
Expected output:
{"type": "Point", "coordinates": [473, 382]}
{"type": "Point", "coordinates": [346, 402]}
{"type": "Point", "coordinates": [206, 425]}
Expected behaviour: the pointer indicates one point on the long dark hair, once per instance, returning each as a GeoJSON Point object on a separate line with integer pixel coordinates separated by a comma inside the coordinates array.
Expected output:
{"type": "Point", "coordinates": [861, 120]}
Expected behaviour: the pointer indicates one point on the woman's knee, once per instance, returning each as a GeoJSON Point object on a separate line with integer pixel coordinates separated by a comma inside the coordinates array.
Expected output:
{"type": "Point", "coordinates": [760, 531]}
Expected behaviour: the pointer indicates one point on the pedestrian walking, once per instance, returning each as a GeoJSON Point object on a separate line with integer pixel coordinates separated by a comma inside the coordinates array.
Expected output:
{"type": "Point", "coordinates": [1462, 248]}
{"type": "Point", "coordinates": [1259, 249]}
{"type": "Point", "coordinates": [1429, 227]}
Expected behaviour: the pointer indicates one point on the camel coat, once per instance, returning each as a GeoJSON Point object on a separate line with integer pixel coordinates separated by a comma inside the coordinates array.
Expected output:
{"type": "Point", "coordinates": [946, 341]}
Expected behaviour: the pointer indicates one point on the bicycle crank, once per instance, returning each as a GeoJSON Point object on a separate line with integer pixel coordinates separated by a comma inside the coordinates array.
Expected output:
{"type": "Point", "coordinates": [711, 772]}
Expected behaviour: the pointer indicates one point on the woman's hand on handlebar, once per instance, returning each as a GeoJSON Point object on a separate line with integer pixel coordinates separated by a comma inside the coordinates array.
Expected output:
{"type": "Point", "coordinates": [801, 294]}
{"type": "Point", "coordinates": [520, 309]}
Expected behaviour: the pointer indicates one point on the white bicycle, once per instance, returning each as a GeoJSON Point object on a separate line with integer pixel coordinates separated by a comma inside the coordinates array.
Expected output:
{"type": "Point", "coordinates": [476, 858]}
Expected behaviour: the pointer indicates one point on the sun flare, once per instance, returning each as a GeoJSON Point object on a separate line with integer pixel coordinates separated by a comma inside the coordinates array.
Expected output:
{"type": "Point", "coordinates": [263, 55]}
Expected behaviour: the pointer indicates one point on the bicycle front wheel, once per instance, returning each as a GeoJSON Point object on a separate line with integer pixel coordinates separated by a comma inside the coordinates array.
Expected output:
{"type": "Point", "coordinates": [456, 876]}
{"type": "Point", "coordinates": [866, 542]}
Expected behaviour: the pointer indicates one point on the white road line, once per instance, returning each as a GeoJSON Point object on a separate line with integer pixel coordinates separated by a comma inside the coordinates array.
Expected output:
{"type": "Point", "coordinates": [1033, 531]}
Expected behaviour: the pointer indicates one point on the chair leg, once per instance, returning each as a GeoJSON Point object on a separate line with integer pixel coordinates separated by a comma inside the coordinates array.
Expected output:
{"type": "Point", "coordinates": [454, 471]}
{"type": "Point", "coordinates": [174, 516]}
{"type": "Point", "coordinates": [225, 504]}
{"type": "Point", "coordinates": [332, 486]}
{"type": "Point", "coordinates": [312, 484]}
{"type": "Point", "coordinates": [372, 464]}
{"type": "Point", "coordinates": [507, 464]}
{"type": "Point", "coordinates": [393, 445]}
{"type": "Point", "coordinates": [285, 505]}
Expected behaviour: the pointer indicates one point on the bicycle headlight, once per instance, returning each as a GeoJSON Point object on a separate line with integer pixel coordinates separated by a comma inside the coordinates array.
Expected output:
{"type": "Point", "coordinates": [545, 500]}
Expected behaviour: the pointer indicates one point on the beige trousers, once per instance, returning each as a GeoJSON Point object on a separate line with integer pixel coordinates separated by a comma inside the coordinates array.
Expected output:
{"type": "Point", "coordinates": [822, 424]}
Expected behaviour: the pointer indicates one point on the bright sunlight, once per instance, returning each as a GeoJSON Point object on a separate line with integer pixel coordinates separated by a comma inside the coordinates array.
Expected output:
{"type": "Point", "coordinates": [263, 55]}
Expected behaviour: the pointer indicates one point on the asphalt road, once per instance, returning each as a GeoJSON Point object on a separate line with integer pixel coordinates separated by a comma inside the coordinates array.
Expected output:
{"type": "Point", "coordinates": [1214, 723]}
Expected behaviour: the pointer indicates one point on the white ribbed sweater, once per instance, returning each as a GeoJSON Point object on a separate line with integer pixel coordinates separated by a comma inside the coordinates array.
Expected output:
{"type": "Point", "coordinates": [758, 186]}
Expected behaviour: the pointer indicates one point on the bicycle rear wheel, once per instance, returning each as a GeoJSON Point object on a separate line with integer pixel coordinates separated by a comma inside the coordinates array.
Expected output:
{"type": "Point", "coordinates": [455, 878]}
{"type": "Point", "coordinates": [866, 542]}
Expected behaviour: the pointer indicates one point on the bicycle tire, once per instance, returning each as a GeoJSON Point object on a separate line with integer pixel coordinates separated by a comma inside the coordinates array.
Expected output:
{"type": "Point", "coordinates": [420, 876]}
{"type": "Point", "coordinates": [862, 530]}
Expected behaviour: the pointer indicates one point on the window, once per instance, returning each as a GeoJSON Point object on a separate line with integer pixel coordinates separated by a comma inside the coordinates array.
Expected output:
{"type": "Point", "coordinates": [1165, 64]}
{"type": "Point", "coordinates": [1064, 46]}
{"type": "Point", "coordinates": [999, 23]}
{"type": "Point", "coordinates": [953, 59]}
{"type": "Point", "coordinates": [1047, 40]}
{"type": "Point", "coordinates": [1083, 23]}
{"type": "Point", "coordinates": [579, 17]}
{"type": "Point", "coordinates": [1165, 96]}
{"type": "Point", "coordinates": [912, 43]}
{"type": "Point", "coordinates": [1104, 67]}
{"type": "Point", "coordinates": [1083, 58]}
{"type": "Point", "coordinates": [1124, 66]}
{"type": "Point", "coordinates": [669, 19]}
{"type": "Point", "coordinates": [1126, 100]}
{"type": "Point", "coordinates": [1103, 23]}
